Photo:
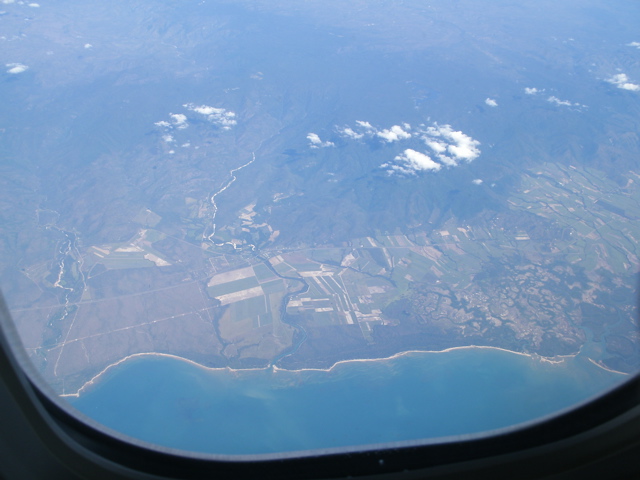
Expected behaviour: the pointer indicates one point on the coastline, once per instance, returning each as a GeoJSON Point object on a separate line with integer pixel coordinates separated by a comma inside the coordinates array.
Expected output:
{"type": "Point", "coordinates": [606, 368]}
{"type": "Point", "coordinates": [96, 377]}
{"type": "Point", "coordinates": [553, 360]}
{"type": "Point", "coordinates": [409, 352]}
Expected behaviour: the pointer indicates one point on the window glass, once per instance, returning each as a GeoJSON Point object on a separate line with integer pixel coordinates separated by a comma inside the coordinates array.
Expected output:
{"type": "Point", "coordinates": [270, 226]}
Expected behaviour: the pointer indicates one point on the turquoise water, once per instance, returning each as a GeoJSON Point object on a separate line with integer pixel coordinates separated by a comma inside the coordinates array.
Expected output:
{"type": "Point", "coordinates": [175, 403]}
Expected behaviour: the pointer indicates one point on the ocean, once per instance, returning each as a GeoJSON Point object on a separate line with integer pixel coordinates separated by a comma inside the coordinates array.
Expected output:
{"type": "Point", "coordinates": [176, 403]}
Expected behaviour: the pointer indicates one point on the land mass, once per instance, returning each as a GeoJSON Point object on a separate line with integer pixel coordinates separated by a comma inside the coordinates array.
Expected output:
{"type": "Point", "coordinates": [555, 271]}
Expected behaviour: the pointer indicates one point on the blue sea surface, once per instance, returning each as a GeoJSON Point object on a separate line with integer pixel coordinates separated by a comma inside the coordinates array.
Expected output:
{"type": "Point", "coordinates": [175, 403]}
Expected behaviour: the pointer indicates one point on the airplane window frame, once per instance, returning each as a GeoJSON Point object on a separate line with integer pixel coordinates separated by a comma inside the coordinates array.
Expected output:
{"type": "Point", "coordinates": [586, 437]}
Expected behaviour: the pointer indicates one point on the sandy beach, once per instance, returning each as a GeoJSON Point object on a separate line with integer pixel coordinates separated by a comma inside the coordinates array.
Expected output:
{"type": "Point", "coordinates": [606, 368]}
{"type": "Point", "coordinates": [555, 360]}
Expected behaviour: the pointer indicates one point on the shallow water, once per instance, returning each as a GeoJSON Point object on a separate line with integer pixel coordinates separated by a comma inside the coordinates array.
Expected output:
{"type": "Point", "coordinates": [179, 404]}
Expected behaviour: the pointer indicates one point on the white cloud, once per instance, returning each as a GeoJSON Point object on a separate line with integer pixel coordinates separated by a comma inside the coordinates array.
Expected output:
{"type": "Point", "coordinates": [438, 147]}
{"type": "Point", "coordinates": [622, 81]}
{"type": "Point", "coordinates": [162, 123]}
{"type": "Point", "coordinates": [491, 102]}
{"type": "Point", "coordinates": [15, 68]}
{"type": "Point", "coordinates": [410, 161]}
{"type": "Point", "coordinates": [7, 2]}
{"type": "Point", "coordinates": [315, 142]}
{"type": "Point", "coordinates": [532, 90]}
{"type": "Point", "coordinates": [450, 147]}
{"type": "Point", "coordinates": [34, 5]}
{"type": "Point", "coordinates": [179, 120]}
{"type": "Point", "coordinates": [461, 146]}
{"type": "Point", "coordinates": [88, 46]}
{"type": "Point", "coordinates": [217, 116]}
{"type": "Point", "coordinates": [168, 138]}
{"type": "Point", "coordinates": [362, 129]}
{"type": "Point", "coordinates": [365, 125]}
{"type": "Point", "coordinates": [448, 161]}
{"type": "Point", "coordinates": [634, 87]}
{"type": "Point", "coordinates": [564, 103]}
{"type": "Point", "coordinates": [350, 133]}
{"type": "Point", "coordinates": [393, 134]}
{"type": "Point", "coordinates": [204, 109]}
{"type": "Point", "coordinates": [477, 181]}
{"type": "Point", "coordinates": [557, 101]}
{"type": "Point", "coordinates": [314, 138]}
{"type": "Point", "coordinates": [634, 44]}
